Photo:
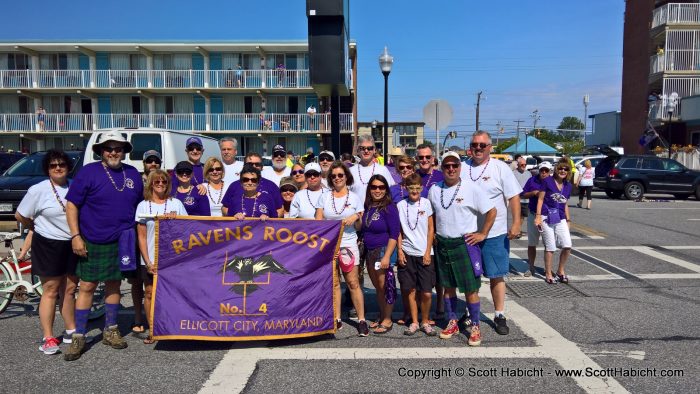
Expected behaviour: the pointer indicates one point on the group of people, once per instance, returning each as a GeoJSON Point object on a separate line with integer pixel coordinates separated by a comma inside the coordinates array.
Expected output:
{"type": "Point", "coordinates": [441, 229]}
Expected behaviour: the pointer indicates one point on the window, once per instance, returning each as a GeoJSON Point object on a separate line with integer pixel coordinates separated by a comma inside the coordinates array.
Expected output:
{"type": "Point", "coordinates": [652, 164]}
{"type": "Point", "coordinates": [135, 104]}
{"type": "Point", "coordinates": [169, 106]}
{"type": "Point", "coordinates": [248, 104]}
{"type": "Point", "coordinates": [142, 143]}
{"type": "Point", "coordinates": [17, 61]}
{"type": "Point", "coordinates": [628, 164]}
{"type": "Point", "coordinates": [673, 165]}
{"type": "Point", "coordinates": [59, 61]}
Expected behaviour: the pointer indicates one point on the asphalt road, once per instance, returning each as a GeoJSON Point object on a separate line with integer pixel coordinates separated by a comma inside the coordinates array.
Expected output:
{"type": "Point", "coordinates": [631, 309]}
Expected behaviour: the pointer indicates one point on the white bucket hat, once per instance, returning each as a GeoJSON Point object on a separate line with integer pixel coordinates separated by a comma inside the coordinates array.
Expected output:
{"type": "Point", "coordinates": [111, 135]}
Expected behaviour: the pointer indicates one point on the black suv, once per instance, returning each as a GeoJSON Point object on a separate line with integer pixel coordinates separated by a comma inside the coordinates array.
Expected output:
{"type": "Point", "coordinates": [24, 174]}
{"type": "Point", "coordinates": [634, 175]}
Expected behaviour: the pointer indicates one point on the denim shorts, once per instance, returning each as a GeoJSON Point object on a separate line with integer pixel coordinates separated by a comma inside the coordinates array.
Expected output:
{"type": "Point", "coordinates": [495, 252]}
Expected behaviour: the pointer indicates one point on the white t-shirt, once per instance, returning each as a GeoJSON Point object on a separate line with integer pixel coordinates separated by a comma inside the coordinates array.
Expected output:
{"type": "Point", "coordinates": [40, 203]}
{"type": "Point", "coordinates": [215, 197]}
{"type": "Point", "coordinates": [305, 202]}
{"type": "Point", "coordinates": [461, 217]}
{"type": "Point", "coordinates": [414, 225]}
{"type": "Point", "coordinates": [173, 204]}
{"type": "Point", "coordinates": [361, 177]}
{"type": "Point", "coordinates": [270, 174]}
{"type": "Point", "coordinates": [498, 181]}
{"type": "Point", "coordinates": [342, 210]}
{"type": "Point", "coordinates": [586, 176]}
{"type": "Point", "coordinates": [232, 172]}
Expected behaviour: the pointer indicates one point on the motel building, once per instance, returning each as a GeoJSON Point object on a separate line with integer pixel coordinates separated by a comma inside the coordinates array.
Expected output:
{"type": "Point", "coordinates": [257, 92]}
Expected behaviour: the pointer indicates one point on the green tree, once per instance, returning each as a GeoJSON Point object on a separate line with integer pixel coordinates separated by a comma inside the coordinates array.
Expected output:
{"type": "Point", "coordinates": [571, 123]}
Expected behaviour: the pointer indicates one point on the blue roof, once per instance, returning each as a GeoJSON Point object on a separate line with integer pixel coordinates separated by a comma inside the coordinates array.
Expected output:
{"type": "Point", "coordinates": [534, 146]}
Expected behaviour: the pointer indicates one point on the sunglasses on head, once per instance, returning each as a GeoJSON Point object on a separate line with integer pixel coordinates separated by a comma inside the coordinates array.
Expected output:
{"type": "Point", "coordinates": [218, 169]}
{"type": "Point", "coordinates": [366, 148]}
{"type": "Point", "coordinates": [479, 145]}
{"type": "Point", "coordinates": [110, 149]}
{"type": "Point", "coordinates": [337, 176]}
{"type": "Point", "coordinates": [377, 187]}
{"type": "Point", "coordinates": [159, 182]}
{"type": "Point", "coordinates": [245, 179]}
{"type": "Point", "coordinates": [401, 168]}
{"type": "Point", "coordinates": [449, 166]}
{"type": "Point", "coordinates": [297, 172]}
{"type": "Point", "coordinates": [288, 189]}
{"type": "Point", "coordinates": [62, 164]}
{"type": "Point", "coordinates": [425, 157]}
{"type": "Point", "coordinates": [184, 172]}
{"type": "Point", "coordinates": [194, 147]}
{"type": "Point", "coordinates": [152, 160]}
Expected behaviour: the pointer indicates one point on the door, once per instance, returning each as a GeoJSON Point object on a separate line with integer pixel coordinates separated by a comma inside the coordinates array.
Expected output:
{"type": "Point", "coordinates": [677, 177]}
{"type": "Point", "coordinates": [652, 170]}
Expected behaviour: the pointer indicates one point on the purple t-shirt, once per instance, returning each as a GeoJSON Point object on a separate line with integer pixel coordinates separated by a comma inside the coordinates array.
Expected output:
{"type": "Point", "coordinates": [197, 176]}
{"type": "Point", "coordinates": [428, 180]}
{"type": "Point", "coordinates": [380, 225]}
{"type": "Point", "coordinates": [195, 203]}
{"type": "Point", "coordinates": [254, 207]}
{"type": "Point", "coordinates": [532, 184]}
{"type": "Point", "coordinates": [235, 192]}
{"type": "Point", "coordinates": [555, 199]}
{"type": "Point", "coordinates": [398, 193]}
{"type": "Point", "coordinates": [104, 211]}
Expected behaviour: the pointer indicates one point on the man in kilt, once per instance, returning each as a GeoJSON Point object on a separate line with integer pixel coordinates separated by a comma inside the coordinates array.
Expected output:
{"type": "Point", "coordinates": [100, 210]}
{"type": "Point", "coordinates": [456, 208]}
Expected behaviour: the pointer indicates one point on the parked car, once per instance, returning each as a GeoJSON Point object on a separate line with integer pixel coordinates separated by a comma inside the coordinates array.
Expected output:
{"type": "Point", "coordinates": [634, 175]}
{"type": "Point", "coordinates": [24, 174]}
{"type": "Point", "coordinates": [7, 159]}
{"type": "Point", "coordinates": [578, 163]}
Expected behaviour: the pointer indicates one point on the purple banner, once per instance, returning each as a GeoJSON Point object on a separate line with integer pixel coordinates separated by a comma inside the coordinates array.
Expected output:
{"type": "Point", "coordinates": [231, 280]}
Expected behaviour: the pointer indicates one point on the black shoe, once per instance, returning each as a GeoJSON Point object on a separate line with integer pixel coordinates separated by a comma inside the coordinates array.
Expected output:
{"type": "Point", "coordinates": [352, 314]}
{"type": "Point", "coordinates": [465, 322]}
{"type": "Point", "coordinates": [501, 326]}
{"type": "Point", "coordinates": [362, 329]}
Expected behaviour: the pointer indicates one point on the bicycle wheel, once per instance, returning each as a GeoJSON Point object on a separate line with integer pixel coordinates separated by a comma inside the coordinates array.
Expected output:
{"type": "Point", "coordinates": [97, 310]}
{"type": "Point", "coordinates": [5, 297]}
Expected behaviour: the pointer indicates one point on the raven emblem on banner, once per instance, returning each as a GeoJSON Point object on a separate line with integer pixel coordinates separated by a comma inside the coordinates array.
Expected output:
{"type": "Point", "coordinates": [248, 269]}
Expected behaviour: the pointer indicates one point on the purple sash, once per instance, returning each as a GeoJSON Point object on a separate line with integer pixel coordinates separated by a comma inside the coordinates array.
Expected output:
{"type": "Point", "coordinates": [390, 286]}
{"type": "Point", "coordinates": [553, 216]}
{"type": "Point", "coordinates": [475, 256]}
{"type": "Point", "coordinates": [127, 250]}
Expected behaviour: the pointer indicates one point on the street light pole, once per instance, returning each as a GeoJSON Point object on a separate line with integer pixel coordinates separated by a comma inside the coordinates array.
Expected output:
{"type": "Point", "coordinates": [385, 63]}
{"type": "Point", "coordinates": [586, 100]}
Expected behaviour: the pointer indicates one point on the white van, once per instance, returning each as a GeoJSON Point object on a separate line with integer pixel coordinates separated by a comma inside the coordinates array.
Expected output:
{"type": "Point", "coordinates": [170, 144]}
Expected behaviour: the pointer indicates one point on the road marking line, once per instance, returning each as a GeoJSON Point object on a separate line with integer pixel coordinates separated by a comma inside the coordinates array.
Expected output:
{"type": "Point", "coordinates": [662, 208]}
{"type": "Point", "coordinates": [693, 219]}
{"type": "Point", "coordinates": [587, 230]}
{"type": "Point", "coordinates": [601, 247]}
{"type": "Point", "coordinates": [634, 354]}
{"type": "Point", "coordinates": [669, 259]}
{"type": "Point", "coordinates": [668, 276]}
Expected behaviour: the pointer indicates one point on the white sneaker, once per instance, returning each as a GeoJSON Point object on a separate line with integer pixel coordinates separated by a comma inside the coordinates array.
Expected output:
{"type": "Point", "coordinates": [50, 346]}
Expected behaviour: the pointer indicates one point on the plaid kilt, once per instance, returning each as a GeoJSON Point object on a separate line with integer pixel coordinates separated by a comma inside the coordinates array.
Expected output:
{"type": "Point", "coordinates": [454, 265]}
{"type": "Point", "coordinates": [101, 264]}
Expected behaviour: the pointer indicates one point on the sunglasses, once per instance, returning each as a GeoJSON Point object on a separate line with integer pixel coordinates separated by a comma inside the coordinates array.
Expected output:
{"type": "Point", "coordinates": [366, 148]}
{"type": "Point", "coordinates": [297, 172]}
{"type": "Point", "coordinates": [245, 179]}
{"type": "Point", "coordinates": [544, 169]}
{"type": "Point", "coordinates": [426, 157]}
{"type": "Point", "coordinates": [194, 147]}
{"type": "Point", "coordinates": [159, 182]}
{"type": "Point", "coordinates": [288, 189]}
{"type": "Point", "coordinates": [54, 166]}
{"type": "Point", "coordinates": [151, 161]}
{"type": "Point", "coordinates": [449, 166]}
{"type": "Point", "coordinates": [279, 154]}
{"type": "Point", "coordinates": [337, 176]}
{"type": "Point", "coordinates": [184, 172]}
{"type": "Point", "coordinates": [325, 158]}
{"type": "Point", "coordinates": [255, 164]}
{"type": "Point", "coordinates": [217, 169]}
{"type": "Point", "coordinates": [415, 188]}
{"type": "Point", "coordinates": [479, 145]}
{"type": "Point", "coordinates": [563, 169]}
{"type": "Point", "coordinates": [377, 187]}
{"type": "Point", "coordinates": [401, 168]}
{"type": "Point", "coordinates": [110, 149]}
{"type": "Point", "coordinates": [312, 174]}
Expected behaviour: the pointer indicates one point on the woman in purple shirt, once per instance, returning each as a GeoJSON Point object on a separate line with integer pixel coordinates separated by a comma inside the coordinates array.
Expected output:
{"type": "Point", "coordinates": [195, 204]}
{"type": "Point", "coordinates": [380, 226]}
{"type": "Point", "coordinates": [253, 203]}
{"type": "Point", "coordinates": [553, 216]}
{"type": "Point", "coordinates": [405, 166]}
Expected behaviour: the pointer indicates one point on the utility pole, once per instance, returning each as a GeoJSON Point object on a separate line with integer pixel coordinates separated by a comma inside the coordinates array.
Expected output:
{"type": "Point", "coordinates": [517, 129]}
{"type": "Point", "coordinates": [586, 100]}
{"type": "Point", "coordinates": [478, 103]}
{"type": "Point", "coordinates": [499, 130]}
{"type": "Point", "coordinates": [535, 117]}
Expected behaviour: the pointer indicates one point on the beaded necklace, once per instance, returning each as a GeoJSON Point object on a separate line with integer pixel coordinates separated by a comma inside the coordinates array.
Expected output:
{"type": "Point", "coordinates": [345, 204]}
{"type": "Point", "coordinates": [58, 198]}
{"type": "Point", "coordinates": [417, 216]}
{"type": "Point", "coordinates": [112, 180]}
{"type": "Point", "coordinates": [255, 204]}
{"type": "Point", "coordinates": [308, 197]}
{"type": "Point", "coordinates": [369, 219]}
{"type": "Point", "coordinates": [221, 193]}
{"type": "Point", "coordinates": [482, 171]}
{"type": "Point", "coordinates": [427, 183]}
{"type": "Point", "coordinates": [359, 173]}
{"type": "Point", "coordinates": [442, 189]}
{"type": "Point", "coordinates": [165, 208]}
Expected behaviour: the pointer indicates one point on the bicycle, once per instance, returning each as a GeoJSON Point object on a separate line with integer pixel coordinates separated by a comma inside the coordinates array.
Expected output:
{"type": "Point", "coordinates": [14, 285]}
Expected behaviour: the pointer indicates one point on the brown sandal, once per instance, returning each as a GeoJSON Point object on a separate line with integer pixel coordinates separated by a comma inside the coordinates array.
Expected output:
{"type": "Point", "coordinates": [149, 340]}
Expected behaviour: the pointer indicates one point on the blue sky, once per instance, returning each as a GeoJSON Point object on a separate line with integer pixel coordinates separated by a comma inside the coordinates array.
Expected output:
{"type": "Point", "coordinates": [524, 55]}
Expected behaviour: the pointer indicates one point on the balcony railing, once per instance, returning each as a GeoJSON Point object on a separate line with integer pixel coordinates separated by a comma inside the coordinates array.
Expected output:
{"type": "Point", "coordinates": [676, 13]}
{"type": "Point", "coordinates": [148, 79]}
{"type": "Point", "coordinates": [273, 122]}
{"type": "Point", "coordinates": [676, 60]}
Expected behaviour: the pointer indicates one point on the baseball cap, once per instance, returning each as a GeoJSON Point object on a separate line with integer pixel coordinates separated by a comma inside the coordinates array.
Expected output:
{"type": "Point", "coordinates": [327, 153]}
{"type": "Point", "coordinates": [288, 181]}
{"type": "Point", "coordinates": [545, 164]}
{"type": "Point", "coordinates": [194, 140]}
{"type": "Point", "coordinates": [150, 153]}
{"type": "Point", "coordinates": [451, 155]}
{"type": "Point", "coordinates": [279, 148]}
{"type": "Point", "coordinates": [312, 167]}
{"type": "Point", "coordinates": [183, 165]}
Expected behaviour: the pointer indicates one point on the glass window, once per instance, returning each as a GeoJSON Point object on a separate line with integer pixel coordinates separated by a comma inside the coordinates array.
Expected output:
{"type": "Point", "coordinates": [673, 165]}
{"type": "Point", "coordinates": [142, 143]}
{"type": "Point", "coordinates": [652, 164]}
{"type": "Point", "coordinates": [29, 166]}
{"type": "Point", "coordinates": [628, 163]}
